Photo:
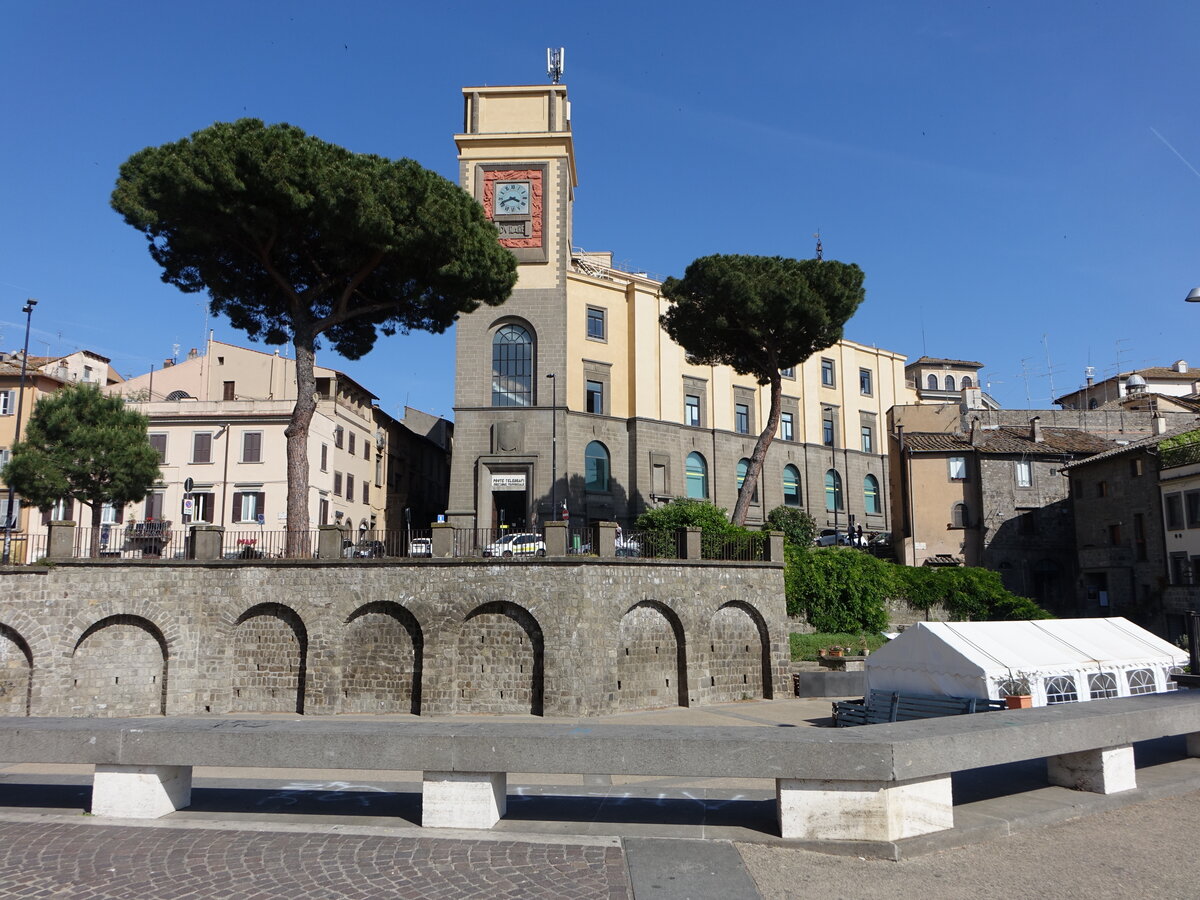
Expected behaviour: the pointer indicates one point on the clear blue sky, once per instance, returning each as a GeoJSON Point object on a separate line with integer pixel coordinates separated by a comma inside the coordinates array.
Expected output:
{"type": "Point", "coordinates": [1020, 181]}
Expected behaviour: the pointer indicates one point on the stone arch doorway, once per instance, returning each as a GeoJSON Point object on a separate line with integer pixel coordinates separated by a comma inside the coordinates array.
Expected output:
{"type": "Point", "coordinates": [739, 665]}
{"type": "Point", "coordinates": [16, 673]}
{"type": "Point", "coordinates": [651, 658]}
{"type": "Point", "coordinates": [383, 656]}
{"type": "Point", "coordinates": [270, 660]}
{"type": "Point", "coordinates": [501, 661]}
{"type": "Point", "coordinates": [119, 668]}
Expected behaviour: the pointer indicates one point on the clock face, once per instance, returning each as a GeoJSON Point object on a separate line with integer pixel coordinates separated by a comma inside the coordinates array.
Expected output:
{"type": "Point", "coordinates": [512, 198]}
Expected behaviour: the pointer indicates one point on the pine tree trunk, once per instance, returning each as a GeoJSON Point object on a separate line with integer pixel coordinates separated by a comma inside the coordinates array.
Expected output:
{"type": "Point", "coordinates": [298, 540]}
{"type": "Point", "coordinates": [760, 453]}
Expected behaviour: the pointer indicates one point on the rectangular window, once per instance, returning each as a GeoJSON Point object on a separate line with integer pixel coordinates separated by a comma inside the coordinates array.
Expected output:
{"type": "Point", "coordinates": [595, 324]}
{"type": "Point", "coordinates": [251, 446]}
{"type": "Point", "coordinates": [322, 511]}
{"type": "Point", "coordinates": [868, 439]}
{"type": "Point", "coordinates": [366, 449]}
{"type": "Point", "coordinates": [789, 372]}
{"type": "Point", "coordinates": [1027, 521]}
{"type": "Point", "coordinates": [741, 418]}
{"type": "Point", "coordinates": [89, 375]}
{"type": "Point", "coordinates": [595, 397]}
{"type": "Point", "coordinates": [1135, 466]}
{"type": "Point", "coordinates": [202, 447]}
{"type": "Point", "coordinates": [202, 506]}
{"type": "Point", "coordinates": [1024, 472]}
{"type": "Point", "coordinates": [5, 456]}
{"type": "Point", "coordinates": [159, 442]}
{"type": "Point", "coordinates": [827, 434]}
{"type": "Point", "coordinates": [324, 457]}
{"type": "Point", "coordinates": [787, 427]}
{"type": "Point", "coordinates": [154, 506]}
{"type": "Point", "coordinates": [229, 392]}
{"type": "Point", "coordinates": [691, 410]}
{"type": "Point", "coordinates": [111, 515]}
{"type": "Point", "coordinates": [827, 373]}
{"type": "Point", "coordinates": [1102, 489]}
{"type": "Point", "coordinates": [8, 403]}
{"type": "Point", "coordinates": [1191, 507]}
{"type": "Point", "coordinates": [366, 491]}
{"type": "Point", "coordinates": [350, 443]}
{"type": "Point", "coordinates": [864, 382]}
{"type": "Point", "coordinates": [337, 484]}
{"type": "Point", "coordinates": [379, 471]}
{"type": "Point", "coordinates": [1174, 504]}
{"type": "Point", "coordinates": [958, 468]}
{"type": "Point", "coordinates": [1139, 536]}
{"type": "Point", "coordinates": [349, 487]}
{"type": "Point", "coordinates": [248, 506]}
{"type": "Point", "coordinates": [339, 436]}
{"type": "Point", "coordinates": [1114, 535]}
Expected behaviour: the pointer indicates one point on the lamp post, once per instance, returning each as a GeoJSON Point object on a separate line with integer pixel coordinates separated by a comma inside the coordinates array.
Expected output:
{"type": "Point", "coordinates": [833, 471]}
{"type": "Point", "coordinates": [553, 444]}
{"type": "Point", "coordinates": [9, 518]}
{"type": "Point", "coordinates": [1193, 618]}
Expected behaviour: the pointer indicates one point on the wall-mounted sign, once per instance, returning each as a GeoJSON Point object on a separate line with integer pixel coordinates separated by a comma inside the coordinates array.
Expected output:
{"type": "Point", "coordinates": [508, 481]}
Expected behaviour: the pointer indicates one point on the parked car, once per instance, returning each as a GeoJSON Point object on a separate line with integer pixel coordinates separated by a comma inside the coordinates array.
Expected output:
{"type": "Point", "coordinates": [420, 547]}
{"type": "Point", "coordinates": [843, 537]}
{"type": "Point", "coordinates": [369, 550]}
{"type": "Point", "coordinates": [517, 545]}
{"type": "Point", "coordinates": [627, 546]}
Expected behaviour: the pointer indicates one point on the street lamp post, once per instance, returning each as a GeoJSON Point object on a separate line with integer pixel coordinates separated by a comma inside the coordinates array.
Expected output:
{"type": "Point", "coordinates": [553, 444]}
{"type": "Point", "coordinates": [1193, 618]}
{"type": "Point", "coordinates": [9, 518]}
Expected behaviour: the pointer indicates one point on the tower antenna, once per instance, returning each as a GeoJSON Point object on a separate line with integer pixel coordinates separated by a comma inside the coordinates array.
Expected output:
{"type": "Point", "coordinates": [555, 61]}
{"type": "Point", "coordinates": [818, 237]}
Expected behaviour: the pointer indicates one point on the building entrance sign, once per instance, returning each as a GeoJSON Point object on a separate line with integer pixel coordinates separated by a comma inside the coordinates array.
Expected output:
{"type": "Point", "coordinates": [508, 481]}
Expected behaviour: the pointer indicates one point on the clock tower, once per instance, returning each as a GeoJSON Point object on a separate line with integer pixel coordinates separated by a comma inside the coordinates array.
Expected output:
{"type": "Point", "coordinates": [516, 156]}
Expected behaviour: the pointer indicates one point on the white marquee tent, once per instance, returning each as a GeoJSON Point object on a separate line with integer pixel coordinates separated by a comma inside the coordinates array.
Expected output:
{"type": "Point", "coordinates": [1059, 659]}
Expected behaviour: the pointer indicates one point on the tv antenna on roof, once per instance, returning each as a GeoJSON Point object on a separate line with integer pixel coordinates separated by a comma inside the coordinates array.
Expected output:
{"type": "Point", "coordinates": [554, 63]}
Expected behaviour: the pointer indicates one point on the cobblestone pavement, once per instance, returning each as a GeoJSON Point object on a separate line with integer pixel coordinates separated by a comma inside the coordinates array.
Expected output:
{"type": "Point", "coordinates": [86, 861]}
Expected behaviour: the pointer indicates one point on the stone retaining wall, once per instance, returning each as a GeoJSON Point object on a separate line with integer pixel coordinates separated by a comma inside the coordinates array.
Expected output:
{"type": "Point", "coordinates": [437, 637]}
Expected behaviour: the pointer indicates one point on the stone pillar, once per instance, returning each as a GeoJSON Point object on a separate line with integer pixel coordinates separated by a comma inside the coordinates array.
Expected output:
{"type": "Point", "coordinates": [463, 799]}
{"type": "Point", "coordinates": [818, 810]}
{"type": "Point", "coordinates": [555, 536]}
{"type": "Point", "coordinates": [60, 544]}
{"type": "Point", "coordinates": [604, 538]}
{"type": "Point", "coordinates": [1109, 770]}
{"type": "Point", "coordinates": [773, 546]}
{"type": "Point", "coordinates": [689, 543]}
{"type": "Point", "coordinates": [329, 541]}
{"type": "Point", "coordinates": [205, 542]}
{"type": "Point", "coordinates": [443, 539]}
{"type": "Point", "coordinates": [140, 792]}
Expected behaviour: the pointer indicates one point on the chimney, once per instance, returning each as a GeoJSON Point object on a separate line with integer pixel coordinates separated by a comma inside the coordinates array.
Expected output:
{"type": "Point", "coordinates": [1035, 430]}
{"type": "Point", "coordinates": [974, 431]}
{"type": "Point", "coordinates": [167, 363]}
{"type": "Point", "coordinates": [193, 353]}
{"type": "Point", "coordinates": [1159, 424]}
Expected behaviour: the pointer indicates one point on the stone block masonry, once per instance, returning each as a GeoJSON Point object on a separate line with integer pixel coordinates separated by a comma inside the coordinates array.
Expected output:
{"type": "Point", "coordinates": [437, 637]}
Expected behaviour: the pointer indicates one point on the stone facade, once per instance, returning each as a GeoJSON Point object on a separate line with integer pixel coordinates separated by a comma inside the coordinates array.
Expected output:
{"type": "Point", "coordinates": [554, 637]}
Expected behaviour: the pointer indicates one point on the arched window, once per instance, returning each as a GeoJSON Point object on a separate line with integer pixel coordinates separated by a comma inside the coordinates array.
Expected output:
{"type": "Point", "coordinates": [949, 382]}
{"type": "Point", "coordinates": [1093, 403]}
{"type": "Point", "coordinates": [1060, 689]}
{"type": "Point", "coordinates": [1141, 681]}
{"type": "Point", "coordinates": [791, 486]}
{"type": "Point", "coordinates": [1102, 685]}
{"type": "Point", "coordinates": [966, 382]}
{"type": "Point", "coordinates": [742, 468]}
{"type": "Point", "coordinates": [871, 495]}
{"type": "Point", "coordinates": [833, 490]}
{"type": "Point", "coordinates": [512, 366]}
{"type": "Point", "coordinates": [596, 467]}
{"type": "Point", "coordinates": [958, 515]}
{"type": "Point", "coordinates": [697, 477]}
{"type": "Point", "coordinates": [931, 382]}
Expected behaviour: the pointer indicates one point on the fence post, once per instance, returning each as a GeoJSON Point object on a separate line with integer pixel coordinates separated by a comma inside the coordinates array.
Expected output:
{"type": "Point", "coordinates": [773, 546]}
{"type": "Point", "coordinates": [442, 539]}
{"type": "Point", "coordinates": [205, 542]}
{"type": "Point", "coordinates": [329, 542]}
{"type": "Point", "coordinates": [555, 536]}
{"type": "Point", "coordinates": [60, 544]}
{"type": "Point", "coordinates": [604, 538]}
{"type": "Point", "coordinates": [689, 543]}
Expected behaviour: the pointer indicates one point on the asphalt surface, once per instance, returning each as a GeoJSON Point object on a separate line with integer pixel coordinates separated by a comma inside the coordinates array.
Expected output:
{"type": "Point", "coordinates": [258, 834]}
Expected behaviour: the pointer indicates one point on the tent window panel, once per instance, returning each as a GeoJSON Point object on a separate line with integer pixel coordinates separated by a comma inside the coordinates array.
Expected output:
{"type": "Point", "coordinates": [1014, 687]}
{"type": "Point", "coordinates": [1141, 681]}
{"type": "Point", "coordinates": [1102, 685]}
{"type": "Point", "coordinates": [1172, 684]}
{"type": "Point", "coordinates": [1061, 689]}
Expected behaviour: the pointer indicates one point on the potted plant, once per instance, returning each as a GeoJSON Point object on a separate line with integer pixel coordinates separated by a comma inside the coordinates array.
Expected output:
{"type": "Point", "coordinates": [836, 652]}
{"type": "Point", "coordinates": [1016, 691]}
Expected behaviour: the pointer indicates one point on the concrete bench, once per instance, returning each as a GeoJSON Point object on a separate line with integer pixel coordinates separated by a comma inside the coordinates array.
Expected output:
{"type": "Point", "coordinates": [892, 706]}
{"type": "Point", "coordinates": [876, 783]}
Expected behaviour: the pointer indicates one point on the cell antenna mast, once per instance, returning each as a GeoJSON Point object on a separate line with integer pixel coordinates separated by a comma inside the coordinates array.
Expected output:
{"type": "Point", "coordinates": [818, 237]}
{"type": "Point", "coordinates": [555, 60]}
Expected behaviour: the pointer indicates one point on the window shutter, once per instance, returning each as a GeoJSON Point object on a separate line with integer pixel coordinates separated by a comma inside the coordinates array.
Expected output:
{"type": "Point", "coordinates": [262, 505]}
{"type": "Point", "coordinates": [237, 507]}
{"type": "Point", "coordinates": [120, 513]}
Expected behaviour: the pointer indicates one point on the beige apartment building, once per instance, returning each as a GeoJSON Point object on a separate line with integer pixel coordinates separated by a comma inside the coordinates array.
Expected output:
{"type": "Point", "coordinates": [219, 418]}
{"type": "Point", "coordinates": [571, 395]}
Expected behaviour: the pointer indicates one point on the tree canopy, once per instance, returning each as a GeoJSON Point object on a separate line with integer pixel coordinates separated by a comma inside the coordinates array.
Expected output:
{"type": "Point", "coordinates": [758, 315]}
{"type": "Point", "coordinates": [295, 239]}
{"type": "Point", "coordinates": [83, 445]}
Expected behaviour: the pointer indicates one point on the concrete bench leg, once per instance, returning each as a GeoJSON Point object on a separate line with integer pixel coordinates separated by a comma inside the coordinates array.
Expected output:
{"type": "Point", "coordinates": [140, 792]}
{"type": "Point", "coordinates": [863, 810]}
{"type": "Point", "coordinates": [463, 799]}
{"type": "Point", "coordinates": [1105, 771]}
{"type": "Point", "coordinates": [1193, 743]}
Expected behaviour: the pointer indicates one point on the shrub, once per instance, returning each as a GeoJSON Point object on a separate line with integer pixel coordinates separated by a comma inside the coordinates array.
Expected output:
{"type": "Point", "coordinates": [966, 593]}
{"type": "Point", "coordinates": [838, 589]}
{"type": "Point", "coordinates": [797, 525]}
{"type": "Point", "coordinates": [659, 526]}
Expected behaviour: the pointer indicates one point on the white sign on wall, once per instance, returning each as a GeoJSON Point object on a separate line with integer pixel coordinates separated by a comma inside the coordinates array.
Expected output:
{"type": "Point", "coordinates": [508, 481]}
